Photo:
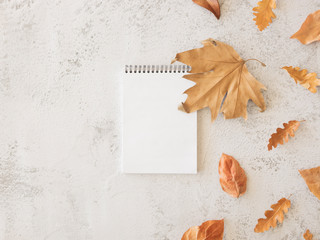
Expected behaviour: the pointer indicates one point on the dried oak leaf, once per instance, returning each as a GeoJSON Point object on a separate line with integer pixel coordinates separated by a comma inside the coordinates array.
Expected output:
{"type": "Point", "coordinates": [307, 80]}
{"type": "Point", "coordinates": [283, 134]}
{"type": "Point", "coordinates": [309, 31]}
{"type": "Point", "coordinates": [209, 230]}
{"type": "Point", "coordinates": [233, 179]}
{"type": "Point", "coordinates": [273, 216]}
{"type": "Point", "coordinates": [212, 5]}
{"type": "Point", "coordinates": [264, 13]}
{"type": "Point", "coordinates": [312, 179]}
{"type": "Point", "coordinates": [307, 235]}
{"type": "Point", "coordinates": [219, 70]}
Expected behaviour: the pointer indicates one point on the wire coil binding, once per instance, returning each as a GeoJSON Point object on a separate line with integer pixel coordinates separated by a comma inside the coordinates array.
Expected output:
{"type": "Point", "coordinates": [157, 68]}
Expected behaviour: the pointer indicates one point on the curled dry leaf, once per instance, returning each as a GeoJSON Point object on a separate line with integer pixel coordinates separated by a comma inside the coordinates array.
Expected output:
{"type": "Point", "coordinates": [273, 216]}
{"type": "Point", "coordinates": [312, 179]}
{"type": "Point", "coordinates": [233, 179]}
{"type": "Point", "coordinates": [264, 13]}
{"type": "Point", "coordinates": [283, 134]}
{"type": "Point", "coordinates": [218, 69]}
{"type": "Point", "coordinates": [307, 80]}
{"type": "Point", "coordinates": [212, 5]}
{"type": "Point", "coordinates": [307, 235]}
{"type": "Point", "coordinates": [309, 31]}
{"type": "Point", "coordinates": [209, 230]}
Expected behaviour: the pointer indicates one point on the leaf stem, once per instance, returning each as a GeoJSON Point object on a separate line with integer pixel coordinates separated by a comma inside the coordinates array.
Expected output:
{"type": "Point", "coordinates": [256, 60]}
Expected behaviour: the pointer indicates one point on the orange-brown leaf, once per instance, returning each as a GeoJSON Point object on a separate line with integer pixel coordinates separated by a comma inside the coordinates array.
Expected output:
{"type": "Point", "coordinates": [209, 230]}
{"type": "Point", "coordinates": [283, 134]}
{"type": "Point", "coordinates": [233, 179]}
{"type": "Point", "coordinates": [218, 69]}
{"type": "Point", "coordinates": [312, 179]}
{"type": "Point", "coordinates": [310, 30]}
{"type": "Point", "coordinates": [212, 5]}
{"type": "Point", "coordinates": [307, 80]}
{"type": "Point", "coordinates": [273, 216]}
{"type": "Point", "coordinates": [307, 235]}
{"type": "Point", "coordinates": [264, 13]}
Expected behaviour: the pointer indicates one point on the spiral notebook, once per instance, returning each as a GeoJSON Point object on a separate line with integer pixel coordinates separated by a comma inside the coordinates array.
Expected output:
{"type": "Point", "coordinates": [157, 137]}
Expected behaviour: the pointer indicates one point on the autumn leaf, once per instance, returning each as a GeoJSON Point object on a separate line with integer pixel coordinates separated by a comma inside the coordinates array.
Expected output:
{"type": "Point", "coordinates": [307, 80]}
{"type": "Point", "coordinates": [310, 30]}
{"type": "Point", "coordinates": [283, 134]}
{"type": "Point", "coordinates": [209, 230]}
{"type": "Point", "coordinates": [212, 5]}
{"type": "Point", "coordinates": [273, 216]}
{"type": "Point", "coordinates": [264, 13]}
{"type": "Point", "coordinates": [307, 235]}
{"type": "Point", "coordinates": [233, 179]}
{"type": "Point", "coordinates": [312, 178]}
{"type": "Point", "coordinates": [219, 70]}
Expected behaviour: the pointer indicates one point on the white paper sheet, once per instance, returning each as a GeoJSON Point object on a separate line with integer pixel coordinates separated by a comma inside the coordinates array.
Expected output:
{"type": "Point", "coordinates": [157, 138]}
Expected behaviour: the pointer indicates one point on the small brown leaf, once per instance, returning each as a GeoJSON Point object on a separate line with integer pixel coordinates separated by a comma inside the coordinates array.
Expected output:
{"type": "Point", "coordinates": [273, 216]}
{"type": "Point", "coordinates": [283, 134]}
{"type": "Point", "coordinates": [209, 230]}
{"type": "Point", "coordinates": [217, 69]}
{"type": "Point", "coordinates": [264, 13]}
{"type": "Point", "coordinates": [309, 31]}
{"type": "Point", "coordinates": [307, 235]}
{"type": "Point", "coordinates": [312, 178]}
{"type": "Point", "coordinates": [307, 80]}
{"type": "Point", "coordinates": [212, 5]}
{"type": "Point", "coordinates": [233, 179]}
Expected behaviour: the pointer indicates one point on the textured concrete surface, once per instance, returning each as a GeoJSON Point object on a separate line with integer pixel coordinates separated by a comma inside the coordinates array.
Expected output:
{"type": "Point", "coordinates": [60, 133]}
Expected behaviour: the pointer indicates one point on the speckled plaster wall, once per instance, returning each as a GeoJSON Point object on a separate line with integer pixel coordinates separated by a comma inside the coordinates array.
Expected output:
{"type": "Point", "coordinates": [60, 136]}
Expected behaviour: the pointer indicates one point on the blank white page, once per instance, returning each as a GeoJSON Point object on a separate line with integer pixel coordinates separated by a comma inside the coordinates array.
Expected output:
{"type": "Point", "coordinates": [157, 137]}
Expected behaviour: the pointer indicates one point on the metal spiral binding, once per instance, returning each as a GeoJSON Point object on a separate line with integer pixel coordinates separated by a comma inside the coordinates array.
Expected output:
{"type": "Point", "coordinates": [157, 68]}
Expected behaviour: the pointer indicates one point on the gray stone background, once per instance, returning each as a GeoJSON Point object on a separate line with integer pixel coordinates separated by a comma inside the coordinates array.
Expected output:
{"type": "Point", "coordinates": [60, 69]}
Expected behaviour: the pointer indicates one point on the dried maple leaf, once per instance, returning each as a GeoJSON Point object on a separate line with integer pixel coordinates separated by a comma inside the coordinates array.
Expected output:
{"type": "Point", "coordinates": [212, 5]}
{"type": "Point", "coordinates": [307, 80]}
{"type": "Point", "coordinates": [312, 178]}
{"type": "Point", "coordinates": [233, 179]}
{"type": "Point", "coordinates": [310, 30]}
{"type": "Point", "coordinates": [264, 13]}
{"type": "Point", "coordinates": [209, 230]}
{"type": "Point", "coordinates": [283, 134]}
{"type": "Point", "coordinates": [220, 71]}
{"type": "Point", "coordinates": [273, 216]}
{"type": "Point", "coordinates": [307, 235]}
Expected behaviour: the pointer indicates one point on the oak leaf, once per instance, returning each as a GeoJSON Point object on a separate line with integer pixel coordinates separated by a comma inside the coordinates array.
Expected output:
{"type": "Point", "coordinates": [212, 5]}
{"type": "Point", "coordinates": [310, 30]}
{"type": "Point", "coordinates": [307, 235]}
{"type": "Point", "coordinates": [233, 179]}
{"type": "Point", "coordinates": [307, 80]}
{"type": "Point", "coordinates": [312, 179]}
{"type": "Point", "coordinates": [264, 13]}
{"type": "Point", "coordinates": [273, 216]}
{"type": "Point", "coordinates": [218, 70]}
{"type": "Point", "coordinates": [283, 134]}
{"type": "Point", "coordinates": [209, 230]}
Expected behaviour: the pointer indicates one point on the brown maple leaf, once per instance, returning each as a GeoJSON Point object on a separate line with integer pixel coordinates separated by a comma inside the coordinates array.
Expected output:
{"type": "Point", "coordinates": [283, 134]}
{"type": "Point", "coordinates": [233, 179]}
{"type": "Point", "coordinates": [209, 230]}
{"type": "Point", "coordinates": [307, 235]}
{"type": "Point", "coordinates": [212, 5]}
{"type": "Point", "coordinates": [220, 71]}
{"type": "Point", "coordinates": [310, 30]}
{"type": "Point", "coordinates": [312, 179]}
{"type": "Point", "coordinates": [307, 80]}
{"type": "Point", "coordinates": [264, 13]}
{"type": "Point", "coordinates": [273, 216]}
